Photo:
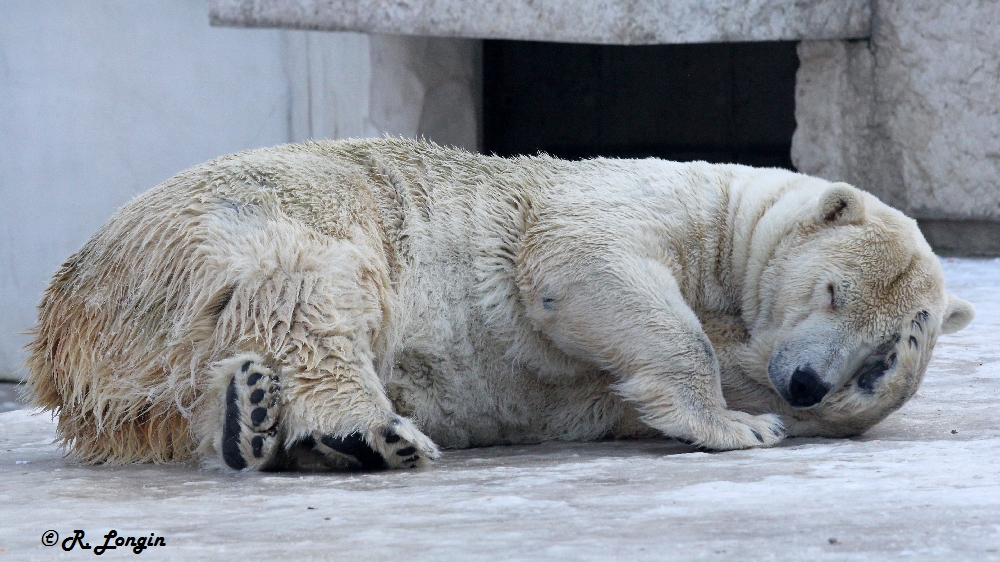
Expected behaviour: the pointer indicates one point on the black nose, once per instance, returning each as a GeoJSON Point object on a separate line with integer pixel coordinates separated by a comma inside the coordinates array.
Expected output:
{"type": "Point", "coordinates": [806, 388]}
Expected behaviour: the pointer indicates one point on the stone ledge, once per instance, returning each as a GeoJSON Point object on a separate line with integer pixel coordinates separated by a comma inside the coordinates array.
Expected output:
{"type": "Point", "coordinates": [622, 22]}
{"type": "Point", "coordinates": [962, 238]}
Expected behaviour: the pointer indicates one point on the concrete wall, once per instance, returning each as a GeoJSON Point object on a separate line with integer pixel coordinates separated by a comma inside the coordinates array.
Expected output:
{"type": "Point", "coordinates": [355, 85]}
{"type": "Point", "coordinates": [101, 100]}
{"type": "Point", "coordinates": [913, 115]}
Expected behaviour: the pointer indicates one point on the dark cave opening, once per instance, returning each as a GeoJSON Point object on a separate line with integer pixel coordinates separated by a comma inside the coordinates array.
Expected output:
{"type": "Point", "coordinates": [719, 102]}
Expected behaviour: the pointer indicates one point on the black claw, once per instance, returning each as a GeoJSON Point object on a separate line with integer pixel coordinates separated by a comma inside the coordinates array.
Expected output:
{"type": "Point", "coordinates": [757, 435]}
{"type": "Point", "coordinates": [698, 448]}
{"type": "Point", "coordinates": [252, 379]}
{"type": "Point", "coordinates": [776, 432]}
{"type": "Point", "coordinates": [913, 341]}
{"type": "Point", "coordinates": [258, 415]}
{"type": "Point", "coordinates": [246, 366]}
{"type": "Point", "coordinates": [354, 445]}
{"type": "Point", "coordinates": [406, 451]}
{"type": "Point", "coordinates": [258, 446]}
{"type": "Point", "coordinates": [256, 396]}
{"type": "Point", "coordinates": [231, 431]}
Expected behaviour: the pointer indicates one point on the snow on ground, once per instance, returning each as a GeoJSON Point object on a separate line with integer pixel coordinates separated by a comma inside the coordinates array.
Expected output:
{"type": "Point", "coordinates": [923, 485]}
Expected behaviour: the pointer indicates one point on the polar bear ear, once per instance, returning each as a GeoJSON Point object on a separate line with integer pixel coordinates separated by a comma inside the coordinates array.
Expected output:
{"type": "Point", "coordinates": [841, 204]}
{"type": "Point", "coordinates": [957, 315]}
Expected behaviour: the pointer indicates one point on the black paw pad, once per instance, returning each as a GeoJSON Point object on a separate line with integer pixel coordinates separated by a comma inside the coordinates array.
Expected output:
{"type": "Point", "coordinates": [250, 432]}
{"type": "Point", "coordinates": [407, 451]}
{"type": "Point", "coordinates": [231, 430]}
{"type": "Point", "coordinates": [354, 445]}
{"type": "Point", "coordinates": [258, 415]}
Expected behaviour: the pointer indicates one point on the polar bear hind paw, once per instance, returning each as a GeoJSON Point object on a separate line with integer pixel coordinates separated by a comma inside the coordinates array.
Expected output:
{"type": "Point", "coordinates": [405, 446]}
{"type": "Point", "coordinates": [250, 437]}
{"type": "Point", "coordinates": [397, 444]}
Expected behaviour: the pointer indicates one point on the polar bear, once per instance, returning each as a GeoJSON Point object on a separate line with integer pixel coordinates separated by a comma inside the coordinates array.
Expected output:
{"type": "Point", "coordinates": [357, 304]}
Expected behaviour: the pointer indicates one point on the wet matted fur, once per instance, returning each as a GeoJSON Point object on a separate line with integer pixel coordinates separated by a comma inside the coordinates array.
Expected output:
{"type": "Point", "coordinates": [398, 290]}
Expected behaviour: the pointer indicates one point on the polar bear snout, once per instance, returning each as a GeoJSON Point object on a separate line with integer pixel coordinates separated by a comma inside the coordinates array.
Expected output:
{"type": "Point", "coordinates": [805, 388]}
{"type": "Point", "coordinates": [809, 364]}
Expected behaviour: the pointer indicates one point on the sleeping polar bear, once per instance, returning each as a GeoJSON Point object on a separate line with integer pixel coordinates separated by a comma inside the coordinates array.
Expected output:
{"type": "Point", "coordinates": [356, 304]}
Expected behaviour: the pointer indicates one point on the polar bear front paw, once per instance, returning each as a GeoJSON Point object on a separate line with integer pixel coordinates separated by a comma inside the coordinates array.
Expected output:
{"type": "Point", "coordinates": [250, 431]}
{"type": "Point", "coordinates": [726, 430]}
{"type": "Point", "coordinates": [397, 444]}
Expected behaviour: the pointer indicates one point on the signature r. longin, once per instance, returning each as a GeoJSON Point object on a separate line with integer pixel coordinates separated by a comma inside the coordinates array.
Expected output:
{"type": "Point", "coordinates": [111, 541]}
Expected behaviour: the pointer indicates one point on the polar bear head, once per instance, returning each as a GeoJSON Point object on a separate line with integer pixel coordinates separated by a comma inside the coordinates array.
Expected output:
{"type": "Point", "coordinates": [847, 308]}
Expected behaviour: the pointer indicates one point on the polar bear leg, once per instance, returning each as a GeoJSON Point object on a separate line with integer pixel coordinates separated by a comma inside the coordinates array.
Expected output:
{"type": "Point", "coordinates": [305, 311]}
{"type": "Point", "coordinates": [396, 444]}
{"type": "Point", "coordinates": [253, 426]}
{"type": "Point", "coordinates": [683, 398]}
{"type": "Point", "coordinates": [336, 414]}
{"type": "Point", "coordinates": [654, 342]}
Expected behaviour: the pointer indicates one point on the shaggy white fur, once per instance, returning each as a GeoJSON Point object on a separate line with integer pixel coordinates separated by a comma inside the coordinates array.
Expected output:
{"type": "Point", "coordinates": [395, 290]}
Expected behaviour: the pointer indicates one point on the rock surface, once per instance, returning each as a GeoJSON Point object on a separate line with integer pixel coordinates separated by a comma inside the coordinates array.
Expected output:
{"type": "Point", "coordinates": [622, 22]}
{"type": "Point", "coordinates": [911, 115]}
{"type": "Point", "coordinates": [923, 485]}
{"type": "Point", "coordinates": [350, 85]}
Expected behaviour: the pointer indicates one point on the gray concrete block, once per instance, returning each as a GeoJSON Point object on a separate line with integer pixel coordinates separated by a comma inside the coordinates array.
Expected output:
{"type": "Point", "coordinates": [911, 115]}
{"type": "Point", "coordinates": [624, 22]}
{"type": "Point", "coordinates": [348, 85]}
{"type": "Point", "coordinates": [938, 79]}
{"type": "Point", "coordinates": [835, 113]}
{"type": "Point", "coordinates": [964, 238]}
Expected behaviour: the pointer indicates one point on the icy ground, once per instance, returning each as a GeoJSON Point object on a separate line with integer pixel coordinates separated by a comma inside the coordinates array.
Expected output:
{"type": "Point", "coordinates": [923, 485]}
